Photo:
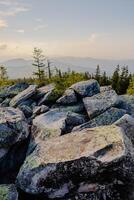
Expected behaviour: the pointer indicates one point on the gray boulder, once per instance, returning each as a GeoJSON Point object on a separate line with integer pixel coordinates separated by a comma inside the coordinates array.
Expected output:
{"type": "Point", "coordinates": [39, 110]}
{"type": "Point", "coordinates": [8, 192]}
{"type": "Point", "coordinates": [49, 124]}
{"type": "Point", "coordinates": [60, 166]}
{"type": "Point", "coordinates": [6, 102]}
{"type": "Point", "coordinates": [86, 88]}
{"type": "Point", "coordinates": [23, 96]}
{"type": "Point", "coordinates": [127, 123]}
{"type": "Point", "coordinates": [26, 110]}
{"type": "Point", "coordinates": [127, 102]}
{"type": "Point", "coordinates": [49, 98]}
{"type": "Point", "coordinates": [11, 91]}
{"type": "Point", "coordinates": [13, 132]}
{"type": "Point", "coordinates": [44, 90]}
{"type": "Point", "coordinates": [69, 97]}
{"type": "Point", "coordinates": [106, 118]}
{"type": "Point", "coordinates": [72, 120]}
{"type": "Point", "coordinates": [54, 123]}
{"type": "Point", "coordinates": [99, 103]}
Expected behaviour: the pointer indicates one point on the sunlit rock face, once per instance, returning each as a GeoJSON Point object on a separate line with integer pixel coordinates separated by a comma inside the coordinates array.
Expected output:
{"type": "Point", "coordinates": [60, 166]}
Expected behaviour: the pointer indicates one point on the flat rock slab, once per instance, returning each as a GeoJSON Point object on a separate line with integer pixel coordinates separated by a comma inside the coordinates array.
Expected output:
{"type": "Point", "coordinates": [8, 192]}
{"type": "Point", "coordinates": [99, 103]}
{"type": "Point", "coordinates": [57, 166]}
{"type": "Point", "coordinates": [86, 88]}
{"type": "Point", "coordinates": [107, 118]}
{"type": "Point", "coordinates": [23, 96]}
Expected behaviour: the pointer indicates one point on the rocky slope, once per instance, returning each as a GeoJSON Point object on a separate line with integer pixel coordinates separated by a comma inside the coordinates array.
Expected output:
{"type": "Point", "coordinates": [77, 147]}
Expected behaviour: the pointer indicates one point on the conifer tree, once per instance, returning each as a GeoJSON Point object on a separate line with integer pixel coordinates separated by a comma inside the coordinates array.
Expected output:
{"type": "Point", "coordinates": [97, 74]}
{"type": "Point", "coordinates": [116, 78]}
{"type": "Point", "coordinates": [3, 73]}
{"type": "Point", "coordinates": [39, 62]}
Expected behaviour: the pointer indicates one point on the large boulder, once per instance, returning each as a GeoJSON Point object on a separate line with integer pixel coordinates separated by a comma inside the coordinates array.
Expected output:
{"type": "Point", "coordinates": [127, 123]}
{"type": "Point", "coordinates": [14, 132]}
{"type": "Point", "coordinates": [127, 102]}
{"type": "Point", "coordinates": [99, 103]}
{"type": "Point", "coordinates": [11, 91]}
{"type": "Point", "coordinates": [106, 118]}
{"type": "Point", "coordinates": [23, 96]}
{"type": "Point", "coordinates": [69, 97]}
{"type": "Point", "coordinates": [44, 90]}
{"type": "Point", "coordinates": [86, 88]}
{"type": "Point", "coordinates": [8, 192]}
{"type": "Point", "coordinates": [49, 124]}
{"type": "Point", "coordinates": [61, 166]}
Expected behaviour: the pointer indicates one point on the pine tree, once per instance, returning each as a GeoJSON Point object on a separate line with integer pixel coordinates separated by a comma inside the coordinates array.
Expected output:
{"type": "Point", "coordinates": [104, 79]}
{"type": "Point", "coordinates": [97, 74]}
{"type": "Point", "coordinates": [39, 62]}
{"type": "Point", "coordinates": [116, 78]}
{"type": "Point", "coordinates": [3, 73]}
{"type": "Point", "coordinates": [49, 69]}
{"type": "Point", "coordinates": [124, 80]}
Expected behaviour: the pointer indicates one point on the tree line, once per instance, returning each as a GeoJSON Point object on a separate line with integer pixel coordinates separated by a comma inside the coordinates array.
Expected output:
{"type": "Point", "coordinates": [121, 80]}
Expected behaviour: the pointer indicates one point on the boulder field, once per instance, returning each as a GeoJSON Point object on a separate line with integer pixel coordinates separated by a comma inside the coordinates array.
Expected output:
{"type": "Point", "coordinates": [77, 147]}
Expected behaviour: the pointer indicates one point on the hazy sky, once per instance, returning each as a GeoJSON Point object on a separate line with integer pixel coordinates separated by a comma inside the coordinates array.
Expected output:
{"type": "Point", "coordinates": [94, 28]}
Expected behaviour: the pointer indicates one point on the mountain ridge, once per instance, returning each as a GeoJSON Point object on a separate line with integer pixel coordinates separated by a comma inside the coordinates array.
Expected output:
{"type": "Point", "coordinates": [21, 67]}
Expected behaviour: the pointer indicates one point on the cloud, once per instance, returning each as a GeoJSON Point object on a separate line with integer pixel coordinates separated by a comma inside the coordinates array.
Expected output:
{"type": "Point", "coordinates": [12, 7]}
{"type": "Point", "coordinates": [5, 2]}
{"type": "Point", "coordinates": [40, 27]}
{"type": "Point", "coordinates": [13, 11]}
{"type": "Point", "coordinates": [93, 37]}
{"type": "Point", "coordinates": [3, 24]}
{"type": "Point", "coordinates": [3, 46]}
{"type": "Point", "coordinates": [20, 31]}
{"type": "Point", "coordinates": [38, 20]}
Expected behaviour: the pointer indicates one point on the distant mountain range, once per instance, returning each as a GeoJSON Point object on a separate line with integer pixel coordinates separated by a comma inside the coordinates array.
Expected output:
{"type": "Point", "coordinates": [20, 68]}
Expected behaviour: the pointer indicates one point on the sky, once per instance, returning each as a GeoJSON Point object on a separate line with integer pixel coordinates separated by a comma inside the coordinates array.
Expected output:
{"type": "Point", "coordinates": [80, 28]}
